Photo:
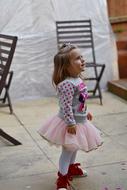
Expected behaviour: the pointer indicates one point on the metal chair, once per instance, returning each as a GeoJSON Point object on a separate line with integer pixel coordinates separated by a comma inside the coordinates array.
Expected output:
{"type": "Point", "coordinates": [79, 32]}
{"type": "Point", "coordinates": [7, 49]}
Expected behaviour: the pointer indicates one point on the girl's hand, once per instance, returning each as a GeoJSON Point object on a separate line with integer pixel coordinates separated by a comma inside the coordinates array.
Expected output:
{"type": "Point", "coordinates": [89, 116]}
{"type": "Point", "coordinates": [71, 129]}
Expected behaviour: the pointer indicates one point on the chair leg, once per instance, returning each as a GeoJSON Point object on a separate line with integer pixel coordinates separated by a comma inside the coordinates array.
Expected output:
{"type": "Point", "coordinates": [100, 75]}
{"type": "Point", "coordinates": [97, 86]}
{"type": "Point", "coordinates": [100, 95]}
{"type": "Point", "coordinates": [6, 95]}
{"type": "Point", "coordinates": [7, 86]}
{"type": "Point", "coordinates": [9, 138]}
{"type": "Point", "coordinates": [9, 102]}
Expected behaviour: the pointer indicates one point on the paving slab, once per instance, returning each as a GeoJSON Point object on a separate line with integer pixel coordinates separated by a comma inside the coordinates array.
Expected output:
{"type": "Point", "coordinates": [23, 161]}
{"type": "Point", "coordinates": [112, 104]}
{"type": "Point", "coordinates": [33, 182]}
{"type": "Point", "coordinates": [109, 152]}
{"type": "Point", "coordinates": [33, 165]}
{"type": "Point", "coordinates": [7, 120]}
{"type": "Point", "coordinates": [107, 177]}
{"type": "Point", "coordinates": [35, 112]}
{"type": "Point", "coordinates": [112, 124]}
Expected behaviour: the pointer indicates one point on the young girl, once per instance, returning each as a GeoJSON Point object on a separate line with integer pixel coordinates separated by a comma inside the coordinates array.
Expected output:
{"type": "Point", "coordinates": [71, 127]}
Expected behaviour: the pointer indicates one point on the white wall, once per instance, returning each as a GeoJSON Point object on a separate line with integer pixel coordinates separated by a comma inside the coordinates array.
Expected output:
{"type": "Point", "coordinates": [34, 24]}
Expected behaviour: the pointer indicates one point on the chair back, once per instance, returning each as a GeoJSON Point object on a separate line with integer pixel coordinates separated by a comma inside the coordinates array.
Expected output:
{"type": "Point", "coordinates": [77, 32]}
{"type": "Point", "coordinates": [7, 49]}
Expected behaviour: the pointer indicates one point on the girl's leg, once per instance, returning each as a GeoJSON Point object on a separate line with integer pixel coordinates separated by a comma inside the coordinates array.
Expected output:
{"type": "Point", "coordinates": [73, 157]}
{"type": "Point", "coordinates": [74, 168]}
{"type": "Point", "coordinates": [64, 161]}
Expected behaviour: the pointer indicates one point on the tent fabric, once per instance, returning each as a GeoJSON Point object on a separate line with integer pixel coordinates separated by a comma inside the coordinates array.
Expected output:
{"type": "Point", "coordinates": [34, 24]}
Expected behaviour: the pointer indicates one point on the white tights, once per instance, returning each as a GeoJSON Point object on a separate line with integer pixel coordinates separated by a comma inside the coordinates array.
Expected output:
{"type": "Point", "coordinates": [67, 157]}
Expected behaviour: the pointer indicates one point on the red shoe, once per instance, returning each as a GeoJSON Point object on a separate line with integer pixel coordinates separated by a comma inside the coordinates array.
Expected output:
{"type": "Point", "coordinates": [62, 182]}
{"type": "Point", "coordinates": [76, 171]}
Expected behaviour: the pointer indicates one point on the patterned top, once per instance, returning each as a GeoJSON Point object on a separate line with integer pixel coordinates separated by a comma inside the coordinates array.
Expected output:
{"type": "Point", "coordinates": [72, 93]}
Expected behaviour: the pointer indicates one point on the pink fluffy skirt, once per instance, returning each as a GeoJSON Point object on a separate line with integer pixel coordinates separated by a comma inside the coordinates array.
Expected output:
{"type": "Point", "coordinates": [55, 132]}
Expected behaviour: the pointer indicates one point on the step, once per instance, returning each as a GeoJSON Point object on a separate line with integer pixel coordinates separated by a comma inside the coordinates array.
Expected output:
{"type": "Point", "coordinates": [122, 53]}
{"type": "Point", "coordinates": [118, 87]}
{"type": "Point", "coordinates": [121, 44]}
{"type": "Point", "coordinates": [122, 63]}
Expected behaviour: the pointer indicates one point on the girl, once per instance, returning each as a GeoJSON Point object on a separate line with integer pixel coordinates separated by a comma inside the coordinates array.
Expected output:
{"type": "Point", "coordinates": [71, 127]}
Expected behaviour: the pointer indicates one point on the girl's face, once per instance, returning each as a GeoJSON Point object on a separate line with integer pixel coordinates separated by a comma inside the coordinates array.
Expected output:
{"type": "Point", "coordinates": [77, 63]}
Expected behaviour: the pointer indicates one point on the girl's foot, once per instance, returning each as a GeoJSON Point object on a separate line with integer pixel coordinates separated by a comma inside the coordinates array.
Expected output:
{"type": "Point", "coordinates": [76, 171]}
{"type": "Point", "coordinates": [62, 182]}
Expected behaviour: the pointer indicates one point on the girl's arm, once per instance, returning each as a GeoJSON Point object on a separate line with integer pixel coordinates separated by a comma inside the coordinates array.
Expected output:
{"type": "Point", "coordinates": [89, 116]}
{"type": "Point", "coordinates": [66, 93]}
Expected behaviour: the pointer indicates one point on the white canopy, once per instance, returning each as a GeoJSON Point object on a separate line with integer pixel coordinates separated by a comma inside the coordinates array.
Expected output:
{"type": "Point", "coordinates": [33, 21]}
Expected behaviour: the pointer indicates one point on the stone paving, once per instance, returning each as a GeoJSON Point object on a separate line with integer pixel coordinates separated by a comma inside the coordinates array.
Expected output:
{"type": "Point", "coordinates": [33, 165]}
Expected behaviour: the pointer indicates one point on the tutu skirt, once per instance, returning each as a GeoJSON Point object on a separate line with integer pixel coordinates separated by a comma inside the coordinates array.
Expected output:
{"type": "Point", "coordinates": [87, 136]}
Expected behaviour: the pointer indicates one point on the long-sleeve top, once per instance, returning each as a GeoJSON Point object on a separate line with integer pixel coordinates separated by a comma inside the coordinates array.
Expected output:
{"type": "Point", "coordinates": [72, 93]}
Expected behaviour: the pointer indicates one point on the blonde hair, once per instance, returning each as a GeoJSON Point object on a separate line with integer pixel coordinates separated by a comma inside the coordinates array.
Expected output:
{"type": "Point", "coordinates": [61, 63]}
